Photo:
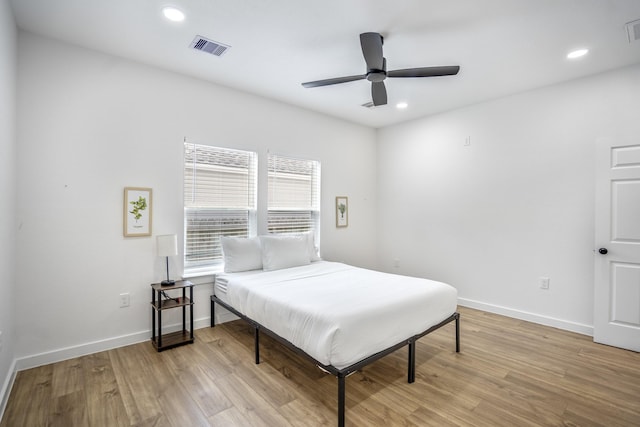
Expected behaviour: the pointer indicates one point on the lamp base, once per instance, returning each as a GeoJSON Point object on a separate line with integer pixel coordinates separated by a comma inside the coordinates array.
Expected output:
{"type": "Point", "coordinates": [167, 282]}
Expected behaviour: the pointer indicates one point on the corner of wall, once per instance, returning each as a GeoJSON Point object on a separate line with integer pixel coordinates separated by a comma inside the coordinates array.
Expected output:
{"type": "Point", "coordinates": [5, 391]}
{"type": "Point", "coordinates": [8, 191]}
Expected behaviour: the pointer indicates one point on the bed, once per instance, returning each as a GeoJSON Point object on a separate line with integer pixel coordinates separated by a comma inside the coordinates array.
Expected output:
{"type": "Point", "coordinates": [339, 316]}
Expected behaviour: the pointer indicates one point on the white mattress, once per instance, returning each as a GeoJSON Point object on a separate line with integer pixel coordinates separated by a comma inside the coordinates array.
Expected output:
{"type": "Point", "coordinates": [336, 313]}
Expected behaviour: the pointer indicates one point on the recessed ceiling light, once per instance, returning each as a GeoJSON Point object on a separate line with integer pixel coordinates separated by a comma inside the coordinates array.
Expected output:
{"type": "Point", "coordinates": [401, 105]}
{"type": "Point", "coordinates": [577, 53]}
{"type": "Point", "coordinates": [173, 14]}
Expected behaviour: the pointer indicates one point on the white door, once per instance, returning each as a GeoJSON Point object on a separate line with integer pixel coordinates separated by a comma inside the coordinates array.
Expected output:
{"type": "Point", "coordinates": [617, 262]}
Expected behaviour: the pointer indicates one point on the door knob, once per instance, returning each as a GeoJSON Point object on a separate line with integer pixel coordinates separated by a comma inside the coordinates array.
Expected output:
{"type": "Point", "coordinates": [603, 251]}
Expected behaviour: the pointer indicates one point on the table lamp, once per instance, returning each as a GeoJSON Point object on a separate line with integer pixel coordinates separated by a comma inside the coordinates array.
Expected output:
{"type": "Point", "coordinates": [167, 246]}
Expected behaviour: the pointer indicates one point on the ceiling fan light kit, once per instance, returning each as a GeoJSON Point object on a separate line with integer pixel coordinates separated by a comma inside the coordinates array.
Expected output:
{"type": "Point", "coordinates": [371, 44]}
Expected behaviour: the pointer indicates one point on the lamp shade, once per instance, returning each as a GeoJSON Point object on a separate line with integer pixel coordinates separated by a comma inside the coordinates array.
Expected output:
{"type": "Point", "coordinates": [167, 245]}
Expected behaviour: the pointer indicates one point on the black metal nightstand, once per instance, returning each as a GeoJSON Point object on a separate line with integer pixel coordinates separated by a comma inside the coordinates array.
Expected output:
{"type": "Point", "coordinates": [158, 305]}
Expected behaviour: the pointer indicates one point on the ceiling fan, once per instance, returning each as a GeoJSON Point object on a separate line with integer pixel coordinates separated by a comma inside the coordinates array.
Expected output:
{"type": "Point", "coordinates": [377, 70]}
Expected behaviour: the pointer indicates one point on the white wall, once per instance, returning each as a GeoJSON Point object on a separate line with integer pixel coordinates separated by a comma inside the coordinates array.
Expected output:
{"type": "Point", "coordinates": [516, 204]}
{"type": "Point", "coordinates": [90, 124]}
{"type": "Point", "coordinates": [8, 77]}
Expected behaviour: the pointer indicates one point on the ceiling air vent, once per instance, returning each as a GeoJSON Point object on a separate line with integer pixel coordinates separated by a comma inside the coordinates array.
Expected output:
{"type": "Point", "coordinates": [209, 46]}
{"type": "Point", "coordinates": [633, 31]}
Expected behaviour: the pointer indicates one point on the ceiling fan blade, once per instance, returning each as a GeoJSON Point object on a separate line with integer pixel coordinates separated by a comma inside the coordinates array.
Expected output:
{"type": "Point", "coordinates": [334, 81]}
{"type": "Point", "coordinates": [378, 93]}
{"type": "Point", "coordinates": [372, 50]}
{"type": "Point", "coordinates": [425, 72]}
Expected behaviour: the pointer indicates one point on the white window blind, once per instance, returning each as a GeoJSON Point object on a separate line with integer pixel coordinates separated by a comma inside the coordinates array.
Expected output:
{"type": "Point", "coordinates": [293, 195]}
{"type": "Point", "coordinates": [220, 193]}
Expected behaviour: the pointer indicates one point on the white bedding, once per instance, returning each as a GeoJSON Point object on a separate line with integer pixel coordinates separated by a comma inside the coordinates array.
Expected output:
{"type": "Point", "coordinates": [336, 313]}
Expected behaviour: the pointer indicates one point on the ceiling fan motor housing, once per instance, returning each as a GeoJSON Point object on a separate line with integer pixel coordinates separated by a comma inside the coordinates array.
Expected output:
{"type": "Point", "coordinates": [376, 75]}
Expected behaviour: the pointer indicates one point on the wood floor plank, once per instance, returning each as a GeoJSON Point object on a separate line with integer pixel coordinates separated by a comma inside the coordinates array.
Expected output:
{"type": "Point", "coordinates": [252, 406]}
{"type": "Point", "coordinates": [30, 398]}
{"type": "Point", "coordinates": [498, 414]}
{"type": "Point", "coordinates": [157, 421]}
{"type": "Point", "coordinates": [509, 373]}
{"type": "Point", "coordinates": [204, 390]}
{"type": "Point", "coordinates": [68, 377]}
{"type": "Point", "coordinates": [104, 402]}
{"type": "Point", "coordinates": [68, 410]}
{"type": "Point", "coordinates": [179, 409]}
{"type": "Point", "coordinates": [267, 382]}
{"type": "Point", "coordinates": [135, 371]}
{"type": "Point", "coordinates": [229, 418]}
{"type": "Point", "coordinates": [427, 418]}
{"type": "Point", "coordinates": [305, 412]}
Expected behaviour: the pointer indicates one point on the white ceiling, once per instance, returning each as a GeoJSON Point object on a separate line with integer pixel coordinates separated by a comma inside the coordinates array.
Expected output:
{"type": "Point", "coordinates": [502, 46]}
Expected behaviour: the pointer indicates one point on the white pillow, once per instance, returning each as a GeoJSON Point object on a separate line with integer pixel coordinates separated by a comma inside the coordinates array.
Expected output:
{"type": "Point", "coordinates": [241, 254]}
{"type": "Point", "coordinates": [284, 251]}
{"type": "Point", "coordinates": [313, 249]}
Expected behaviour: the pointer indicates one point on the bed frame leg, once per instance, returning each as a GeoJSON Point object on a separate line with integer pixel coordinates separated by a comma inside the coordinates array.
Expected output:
{"type": "Point", "coordinates": [213, 312]}
{"type": "Point", "coordinates": [411, 376]}
{"type": "Point", "coordinates": [256, 337]}
{"type": "Point", "coordinates": [341, 400]}
{"type": "Point", "coordinates": [457, 332]}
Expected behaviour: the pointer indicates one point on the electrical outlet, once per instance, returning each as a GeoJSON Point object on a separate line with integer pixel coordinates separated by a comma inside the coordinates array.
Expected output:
{"type": "Point", "coordinates": [124, 300]}
{"type": "Point", "coordinates": [544, 282]}
{"type": "Point", "coordinates": [396, 263]}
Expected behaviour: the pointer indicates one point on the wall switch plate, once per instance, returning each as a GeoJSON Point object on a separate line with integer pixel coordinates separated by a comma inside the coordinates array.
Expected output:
{"type": "Point", "coordinates": [0, 340]}
{"type": "Point", "coordinates": [544, 282]}
{"type": "Point", "coordinates": [124, 300]}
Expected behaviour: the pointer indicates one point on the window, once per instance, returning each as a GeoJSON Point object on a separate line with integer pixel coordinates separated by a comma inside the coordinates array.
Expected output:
{"type": "Point", "coordinates": [294, 195]}
{"type": "Point", "coordinates": [220, 195]}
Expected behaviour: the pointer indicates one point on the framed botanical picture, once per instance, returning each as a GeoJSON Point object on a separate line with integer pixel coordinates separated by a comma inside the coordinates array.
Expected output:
{"type": "Point", "coordinates": [137, 211]}
{"type": "Point", "coordinates": [342, 211]}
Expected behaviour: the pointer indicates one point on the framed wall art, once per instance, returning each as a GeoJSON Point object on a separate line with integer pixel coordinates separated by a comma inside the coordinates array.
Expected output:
{"type": "Point", "coordinates": [342, 211]}
{"type": "Point", "coordinates": [137, 211]}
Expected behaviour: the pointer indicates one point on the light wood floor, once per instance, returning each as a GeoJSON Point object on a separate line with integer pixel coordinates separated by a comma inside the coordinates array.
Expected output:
{"type": "Point", "coordinates": [509, 373]}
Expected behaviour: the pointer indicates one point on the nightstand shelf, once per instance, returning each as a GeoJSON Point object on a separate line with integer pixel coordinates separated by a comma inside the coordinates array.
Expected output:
{"type": "Point", "coordinates": [172, 303]}
{"type": "Point", "coordinates": [158, 305]}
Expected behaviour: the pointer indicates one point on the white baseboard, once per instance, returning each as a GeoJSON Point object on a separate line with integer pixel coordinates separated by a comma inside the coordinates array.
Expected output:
{"type": "Point", "coordinates": [530, 317]}
{"type": "Point", "coordinates": [6, 387]}
{"type": "Point", "coordinates": [223, 316]}
{"type": "Point", "coordinates": [66, 353]}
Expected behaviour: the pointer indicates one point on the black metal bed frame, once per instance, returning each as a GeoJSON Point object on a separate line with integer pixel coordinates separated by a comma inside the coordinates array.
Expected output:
{"type": "Point", "coordinates": [341, 374]}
